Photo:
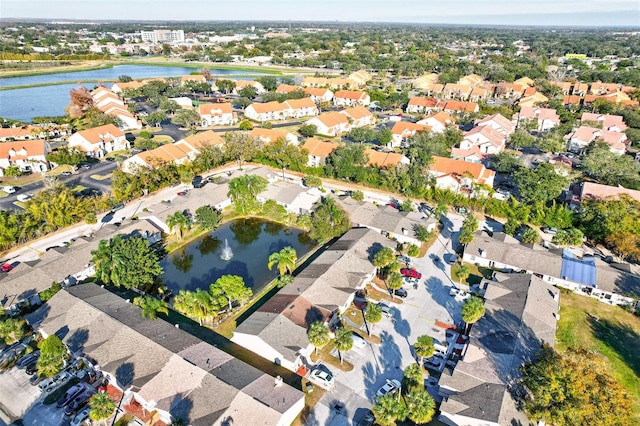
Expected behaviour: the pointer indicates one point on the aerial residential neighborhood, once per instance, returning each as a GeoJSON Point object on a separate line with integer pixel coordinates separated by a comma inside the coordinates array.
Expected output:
{"type": "Point", "coordinates": [310, 222]}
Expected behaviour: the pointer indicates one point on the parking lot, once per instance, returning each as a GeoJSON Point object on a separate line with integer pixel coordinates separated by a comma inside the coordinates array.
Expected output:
{"type": "Point", "coordinates": [427, 310]}
{"type": "Point", "coordinates": [16, 393]}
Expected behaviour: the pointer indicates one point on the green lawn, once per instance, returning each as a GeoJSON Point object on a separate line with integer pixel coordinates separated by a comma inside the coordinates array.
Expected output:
{"type": "Point", "coordinates": [476, 274]}
{"type": "Point", "coordinates": [608, 330]}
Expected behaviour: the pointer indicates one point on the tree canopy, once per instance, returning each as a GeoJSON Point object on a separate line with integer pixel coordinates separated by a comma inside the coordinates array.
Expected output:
{"type": "Point", "coordinates": [328, 220]}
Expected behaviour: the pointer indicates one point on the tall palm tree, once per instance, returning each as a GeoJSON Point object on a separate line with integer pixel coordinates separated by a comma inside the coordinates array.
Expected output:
{"type": "Point", "coordinates": [372, 315]}
{"type": "Point", "coordinates": [101, 407]}
{"type": "Point", "coordinates": [197, 305]}
{"type": "Point", "coordinates": [178, 221]}
{"type": "Point", "coordinates": [318, 335]}
{"type": "Point", "coordinates": [285, 258]}
{"type": "Point", "coordinates": [109, 265]}
{"type": "Point", "coordinates": [343, 341]}
{"type": "Point", "coordinates": [388, 411]}
{"type": "Point", "coordinates": [462, 272]}
{"type": "Point", "coordinates": [424, 347]}
{"type": "Point", "coordinates": [151, 306]}
{"type": "Point", "coordinates": [420, 406]}
{"type": "Point", "coordinates": [473, 309]}
{"type": "Point", "coordinates": [394, 282]}
{"type": "Point", "coordinates": [413, 378]}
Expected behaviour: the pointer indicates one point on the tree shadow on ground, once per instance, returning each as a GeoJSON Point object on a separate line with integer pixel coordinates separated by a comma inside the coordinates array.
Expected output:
{"type": "Point", "coordinates": [125, 374]}
{"type": "Point", "coordinates": [619, 337]}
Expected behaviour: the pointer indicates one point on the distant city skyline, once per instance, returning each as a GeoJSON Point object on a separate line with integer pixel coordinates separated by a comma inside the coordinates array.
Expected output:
{"type": "Point", "coordinates": [479, 12]}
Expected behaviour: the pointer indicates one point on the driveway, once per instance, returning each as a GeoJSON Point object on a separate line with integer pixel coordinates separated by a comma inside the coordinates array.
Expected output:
{"type": "Point", "coordinates": [16, 393]}
{"type": "Point", "coordinates": [427, 310]}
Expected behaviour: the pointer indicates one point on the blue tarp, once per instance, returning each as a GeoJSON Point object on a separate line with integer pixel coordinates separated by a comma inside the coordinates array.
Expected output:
{"type": "Point", "coordinates": [582, 271]}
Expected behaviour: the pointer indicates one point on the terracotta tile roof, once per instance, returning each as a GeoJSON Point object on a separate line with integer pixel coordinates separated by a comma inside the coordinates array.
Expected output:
{"type": "Point", "coordinates": [462, 89]}
{"type": "Point", "coordinates": [300, 103]}
{"type": "Point", "coordinates": [130, 85]}
{"type": "Point", "coordinates": [598, 191]}
{"type": "Point", "coordinates": [383, 159]}
{"type": "Point", "coordinates": [319, 148]}
{"type": "Point", "coordinates": [423, 102]}
{"type": "Point", "coordinates": [571, 99]}
{"type": "Point", "coordinates": [241, 84]}
{"type": "Point", "coordinates": [273, 106]}
{"type": "Point", "coordinates": [474, 151]}
{"type": "Point", "coordinates": [356, 113]}
{"type": "Point", "coordinates": [437, 88]}
{"type": "Point", "coordinates": [32, 147]}
{"type": "Point", "coordinates": [19, 132]}
{"type": "Point", "coordinates": [479, 92]}
{"type": "Point", "coordinates": [538, 113]}
{"type": "Point", "coordinates": [316, 81]}
{"type": "Point", "coordinates": [203, 139]}
{"type": "Point", "coordinates": [440, 116]}
{"type": "Point", "coordinates": [496, 138]}
{"type": "Point", "coordinates": [607, 120]}
{"type": "Point", "coordinates": [530, 91]}
{"type": "Point", "coordinates": [350, 94]}
{"type": "Point", "coordinates": [163, 154]}
{"type": "Point", "coordinates": [503, 122]}
{"type": "Point", "coordinates": [196, 78]}
{"type": "Point", "coordinates": [406, 129]}
{"type": "Point", "coordinates": [269, 135]}
{"type": "Point", "coordinates": [448, 166]}
{"type": "Point", "coordinates": [316, 91]}
{"type": "Point", "coordinates": [338, 82]}
{"type": "Point", "coordinates": [107, 132]}
{"type": "Point", "coordinates": [215, 109]}
{"type": "Point", "coordinates": [525, 81]}
{"type": "Point", "coordinates": [458, 106]}
{"type": "Point", "coordinates": [286, 88]}
{"type": "Point", "coordinates": [333, 118]}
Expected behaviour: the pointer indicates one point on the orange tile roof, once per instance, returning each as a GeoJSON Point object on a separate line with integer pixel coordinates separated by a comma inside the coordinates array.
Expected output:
{"type": "Point", "coordinates": [441, 116]}
{"type": "Point", "coordinates": [316, 91]}
{"type": "Point", "coordinates": [300, 103]}
{"type": "Point", "coordinates": [356, 113]}
{"type": "Point", "coordinates": [350, 94]}
{"type": "Point", "coordinates": [32, 147]}
{"type": "Point", "coordinates": [203, 139]}
{"type": "Point", "coordinates": [268, 134]}
{"type": "Point", "coordinates": [383, 159]}
{"type": "Point", "coordinates": [130, 85]}
{"type": "Point", "coordinates": [241, 84]}
{"type": "Point", "coordinates": [99, 134]}
{"type": "Point", "coordinates": [449, 166]}
{"type": "Point", "coordinates": [286, 88]}
{"type": "Point", "coordinates": [20, 132]}
{"type": "Point", "coordinates": [496, 138]}
{"type": "Point", "coordinates": [215, 109]}
{"type": "Point", "coordinates": [406, 129]}
{"type": "Point", "coordinates": [500, 120]}
{"type": "Point", "coordinates": [596, 190]}
{"type": "Point", "coordinates": [460, 106]}
{"type": "Point", "coordinates": [268, 107]}
{"type": "Point", "coordinates": [333, 118]}
{"type": "Point", "coordinates": [571, 99]}
{"type": "Point", "coordinates": [423, 102]}
{"type": "Point", "coordinates": [319, 148]}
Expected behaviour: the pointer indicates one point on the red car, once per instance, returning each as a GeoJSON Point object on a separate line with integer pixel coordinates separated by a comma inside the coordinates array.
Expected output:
{"type": "Point", "coordinates": [407, 272]}
{"type": "Point", "coordinates": [7, 267]}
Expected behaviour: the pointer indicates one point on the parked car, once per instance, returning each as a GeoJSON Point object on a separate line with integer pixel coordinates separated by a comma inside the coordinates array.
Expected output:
{"type": "Point", "coordinates": [71, 394]}
{"type": "Point", "coordinates": [386, 310]}
{"type": "Point", "coordinates": [7, 267]}
{"type": "Point", "coordinates": [31, 369]}
{"type": "Point", "coordinates": [401, 292]}
{"type": "Point", "coordinates": [390, 387]}
{"type": "Point", "coordinates": [323, 375]}
{"type": "Point", "coordinates": [452, 259]}
{"type": "Point", "coordinates": [408, 272]}
{"type": "Point", "coordinates": [28, 359]}
{"type": "Point", "coordinates": [550, 231]}
{"type": "Point", "coordinates": [183, 193]}
{"type": "Point", "coordinates": [35, 379]}
{"type": "Point", "coordinates": [410, 281]}
{"type": "Point", "coordinates": [86, 166]}
{"type": "Point", "coordinates": [367, 420]}
{"type": "Point", "coordinates": [433, 362]}
{"type": "Point", "coordinates": [404, 259]}
{"type": "Point", "coordinates": [50, 384]}
{"type": "Point", "coordinates": [117, 207]}
{"type": "Point", "coordinates": [459, 294]}
{"type": "Point", "coordinates": [80, 417]}
{"type": "Point", "coordinates": [358, 341]}
{"type": "Point", "coordinates": [24, 197]}
{"type": "Point", "coordinates": [461, 210]}
{"type": "Point", "coordinates": [78, 402]}
{"type": "Point", "coordinates": [9, 189]}
{"type": "Point", "coordinates": [65, 174]}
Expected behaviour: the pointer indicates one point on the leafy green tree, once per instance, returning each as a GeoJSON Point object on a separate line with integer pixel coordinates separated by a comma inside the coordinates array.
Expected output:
{"type": "Point", "coordinates": [471, 223]}
{"type": "Point", "coordinates": [240, 147]}
{"type": "Point", "coordinates": [347, 162]}
{"type": "Point", "coordinates": [208, 217]}
{"type": "Point", "coordinates": [539, 184]}
{"type": "Point", "coordinates": [308, 130]}
{"type": "Point", "coordinates": [388, 411]}
{"type": "Point", "coordinates": [242, 103]}
{"type": "Point", "coordinates": [328, 220]}
{"type": "Point", "coordinates": [151, 306]}
{"type": "Point", "coordinates": [318, 334]}
{"type": "Point", "coordinates": [232, 288]}
{"type": "Point", "coordinates": [358, 195]}
{"type": "Point", "coordinates": [610, 168]}
{"type": "Point", "coordinates": [243, 191]}
{"type": "Point", "coordinates": [13, 171]}
{"type": "Point", "coordinates": [422, 233]}
{"type": "Point", "coordinates": [574, 388]}
{"type": "Point", "coordinates": [466, 236]}
{"type": "Point", "coordinates": [512, 227]}
{"type": "Point", "coordinates": [530, 236]}
{"type": "Point", "coordinates": [571, 236]}
{"type": "Point", "coordinates": [472, 310]}
{"type": "Point", "coordinates": [198, 305]}
{"type": "Point", "coordinates": [67, 155]}
{"type": "Point", "coordinates": [625, 244]}
{"type": "Point", "coordinates": [424, 347]}
{"type": "Point", "coordinates": [394, 282]}
{"type": "Point", "coordinates": [156, 118]}
{"type": "Point", "coordinates": [128, 263]}
{"type": "Point", "coordinates": [178, 222]}
{"type": "Point", "coordinates": [168, 106]}
{"type": "Point", "coordinates": [248, 92]}
{"type": "Point", "coordinates": [406, 206]}
{"type": "Point", "coordinates": [269, 82]}
{"type": "Point", "coordinates": [186, 118]}
{"type": "Point", "coordinates": [461, 272]}
{"type": "Point", "coordinates": [53, 354]}
{"type": "Point", "coordinates": [372, 314]}
{"type": "Point", "coordinates": [343, 341]}
{"type": "Point", "coordinates": [313, 181]}
{"type": "Point", "coordinates": [520, 139]}
{"type": "Point", "coordinates": [601, 218]}
{"type": "Point", "coordinates": [420, 406]}
{"type": "Point", "coordinates": [551, 143]}
{"type": "Point", "coordinates": [285, 259]}
{"type": "Point", "coordinates": [12, 330]}
{"type": "Point", "coordinates": [506, 162]}
{"type": "Point", "coordinates": [413, 250]}
{"type": "Point", "coordinates": [383, 257]}
{"type": "Point", "coordinates": [225, 86]}
{"type": "Point", "coordinates": [101, 406]}
{"type": "Point", "coordinates": [285, 155]}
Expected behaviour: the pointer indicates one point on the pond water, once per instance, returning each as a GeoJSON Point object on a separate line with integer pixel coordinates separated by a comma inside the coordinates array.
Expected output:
{"type": "Point", "coordinates": [50, 101]}
{"type": "Point", "coordinates": [251, 241]}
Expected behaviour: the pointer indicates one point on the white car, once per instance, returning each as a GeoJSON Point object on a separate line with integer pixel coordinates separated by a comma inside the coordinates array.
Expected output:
{"type": "Point", "coordinates": [390, 387]}
{"type": "Point", "coordinates": [80, 417]}
{"type": "Point", "coordinates": [322, 375]}
{"type": "Point", "coordinates": [49, 385]}
{"type": "Point", "coordinates": [386, 310]}
{"type": "Point", "coordinates": [459, 294]}
{"type": "Point", "coordinates": [9, 189]}
{"type": "Point", "coordinates": [24, 197]}
{"type": "Point", "coordinates": [358, 341]}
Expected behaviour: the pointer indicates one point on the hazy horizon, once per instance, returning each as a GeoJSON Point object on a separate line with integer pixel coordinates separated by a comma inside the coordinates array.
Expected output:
{"type": "Point", "coordinates": [569, 13]}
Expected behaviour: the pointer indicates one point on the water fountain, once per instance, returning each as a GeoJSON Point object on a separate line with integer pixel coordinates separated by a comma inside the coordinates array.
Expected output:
{"type": "Point", "coordinates": [226, 251]}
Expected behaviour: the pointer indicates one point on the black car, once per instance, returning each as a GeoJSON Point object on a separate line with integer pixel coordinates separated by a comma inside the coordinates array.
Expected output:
{"type": "Point", "coordinates": [31, 368]}
{"type": "Point", "coordinates": [78, 402]}
{"type": "Point", "coordinates": [401, 292]}
{"type": "Point", "coordinates": [35, 379]}
{"type": "Point", "coordinates": [198, 182]}
{"type": "Point", "coordinates": [28, 359]}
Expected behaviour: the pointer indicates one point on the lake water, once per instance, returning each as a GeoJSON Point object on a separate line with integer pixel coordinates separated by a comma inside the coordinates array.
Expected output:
{"type": "Point", "coordinates": [24, 104]}
{"type": "Point", "coordinates": [252, 240]}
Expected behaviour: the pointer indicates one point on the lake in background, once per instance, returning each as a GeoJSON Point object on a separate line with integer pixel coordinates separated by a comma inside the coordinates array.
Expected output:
{"type": "Point", "coordinates": [47, 101]}
{"type": "Point", "coordinates": [199, 264]}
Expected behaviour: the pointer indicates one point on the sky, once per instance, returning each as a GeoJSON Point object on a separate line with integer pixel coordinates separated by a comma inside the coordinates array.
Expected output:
{"type": "Point", "coordinates": [476, 12]}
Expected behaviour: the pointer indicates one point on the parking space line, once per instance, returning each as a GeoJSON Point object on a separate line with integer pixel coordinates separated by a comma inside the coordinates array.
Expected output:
{"type": "Point", "coordinates": [412, 305]}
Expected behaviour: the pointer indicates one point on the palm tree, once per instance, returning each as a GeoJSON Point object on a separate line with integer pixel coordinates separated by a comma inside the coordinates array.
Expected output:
{"type": "Point", "coordinates": [413, 378]}
{"type": "Point", "coordinates": [180, 221]}
{"type": "Point", "coordinates": [421, 406]}
{"type": "Point", "coordinates": [388, 411]}
{"type": "Point", "coordinates": [440, 210]}
{"type": "Point", "coordinates": [462, 272]}
{"type": "Point", "coordinates": [372, 314]}
{"type": "Point", "coordinates": [473, 309]}
{"type": "Point", "coordinates": [109, 265]}
{"type": "Point", "coordinates": [394, 282]}
{"type": "Point", "coordinates": [101, 407]}
{"type": "Point", "coordinates": [343, 341]}
{"type": "Point", "coordinates": [424, 347]}
{"type": "Point", "coordinates": [383, 258]}
{"type": "Point", "coordinates": [318, 334]}
{"type": "Point", "coordinates": [151, 306]}
{"type": "Point", "coordinates": [285, 258]}
{"type": "Point", "coordinates": [198, 305]}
